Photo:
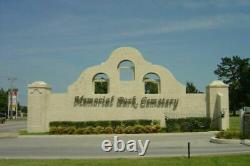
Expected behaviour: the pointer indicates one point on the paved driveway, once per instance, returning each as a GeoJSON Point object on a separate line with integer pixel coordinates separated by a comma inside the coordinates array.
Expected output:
{"type": "Point", "coordinates": [12, 126]}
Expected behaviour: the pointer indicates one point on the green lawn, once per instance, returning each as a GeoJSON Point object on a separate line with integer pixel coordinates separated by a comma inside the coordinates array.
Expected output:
{"type": "Point", "coordinates": [239, 160]}
{"type": "Point", "coordinates": [234, 130]}
{"type": "Point", "coordinates": [25, 132]}
{"type": "Point", "coordinates": [234, 123]}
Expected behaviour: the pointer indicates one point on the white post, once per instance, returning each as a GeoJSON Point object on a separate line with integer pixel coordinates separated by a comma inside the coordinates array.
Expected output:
{"type": "Point", "coordinates": [241, 120]}
{"type": "Point", "coordinates": [38, 97]}
{"type": "Point", "coordinates": [16, 103]}
{"type": "Point", "coordinates": [8, 105]}
{"type": "Point", "coordinates": [218, 105]}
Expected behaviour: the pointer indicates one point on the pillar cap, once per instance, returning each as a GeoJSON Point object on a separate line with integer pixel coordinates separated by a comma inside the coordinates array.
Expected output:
{"type": "Point", "coordinates": [39, 84]}
{"type": "Point", "coordinates": [218, 84]}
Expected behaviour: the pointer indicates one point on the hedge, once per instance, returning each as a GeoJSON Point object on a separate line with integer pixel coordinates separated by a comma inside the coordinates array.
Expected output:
{"type": "Point", "coordinates": [137, 129]}
{"type": "Point", "coordinates": [105, 127]}
{"type": "Point", "coordinates": [192, 124]}
{"type": "Point", "coordinates": [113, 124]}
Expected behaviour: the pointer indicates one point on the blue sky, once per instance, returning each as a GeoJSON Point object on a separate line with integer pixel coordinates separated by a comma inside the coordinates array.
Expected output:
{"type": "Point", "coordinates": [55, 40]}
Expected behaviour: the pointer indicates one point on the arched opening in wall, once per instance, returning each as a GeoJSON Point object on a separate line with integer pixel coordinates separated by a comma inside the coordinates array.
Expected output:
{"type": "Point", "coordinates": [151, 83]}
{"type": "Point", "coordinates": [127, 70]}
{"type": "Point", "coordinates": [101, 83]}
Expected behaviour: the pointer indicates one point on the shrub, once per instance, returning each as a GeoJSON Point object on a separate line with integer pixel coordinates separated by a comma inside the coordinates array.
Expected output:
{"type": "Point", "coordinates": [220, 134]}
{"type": "Point", "coordinates": [108, 130]}
{"type": "Point", "coordinates": [139, 129]}
{"type": "Point", "coordinates": [156, 122]}
{"type": "Point", "coordinates": [229, 135]}
{"type": "Point", "coordinates": [53, 124]}
{"type": "Point", "coordinates": [103, 123]}
{"type": "Point", "coordinates": [67, 124]}
{"type": "Point", "coordinates": [155, 128]}
{"type": "Point", "coordinates": [89, 130]}
{"type": "Point", "coordinates": [58, 124]}
{"type": "Point", "coordinates": [61, 130]}
{"type": "Point", "coordinates": [53, 130]}
{"type": "Point", "coordinates": [114, 124]}
{"type": "Point", "coordinates": [91, 123]}
{"type": "Point", "coordinates": [98, 130]}
{"type": "Point", "coordinates": [70, 130]}
{"type": "Point", "coordinates": [188, 124]}
{"type": "Point", "coordinates": [162, 130]}
{"type": "Point", "coordinates": [129, 130]}
{"type": "Point", "coordinates": [185, 126]}
{"type": "Point", "coordinates": [172, 125]}
{"type": "Point", "coordinates": [148, 129]}
{"type": "Point", "coordinates": [80, 124]}
{"type": "Point", "coordinates": [80, 131]}
{"type": "Point", "coordinates": [100, 127]}
{"type": "Point", "coordinates": [119, 130]}
{"type": "Point", "coordinates": [144, 122]}
{"type": "Point", "coordinates": [127, 123]}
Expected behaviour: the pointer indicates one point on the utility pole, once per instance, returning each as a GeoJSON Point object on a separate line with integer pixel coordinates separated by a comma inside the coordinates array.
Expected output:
{"type": "Point", "coordinates": [10, 104]}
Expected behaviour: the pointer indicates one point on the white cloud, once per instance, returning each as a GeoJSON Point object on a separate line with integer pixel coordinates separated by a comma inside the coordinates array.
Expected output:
{"type": "Point", "coordinates": [194, 4]}
{"type": "Point", "coordinates": [200, 23]}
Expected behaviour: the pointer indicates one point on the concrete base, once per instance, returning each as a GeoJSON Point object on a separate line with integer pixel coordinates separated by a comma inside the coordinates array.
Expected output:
{"type": "Point", "coordinates": [230, 141]}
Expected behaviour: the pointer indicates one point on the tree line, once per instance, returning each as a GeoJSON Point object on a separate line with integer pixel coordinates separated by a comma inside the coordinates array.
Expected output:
{"type": "Point", "coordinates": [4, 102]}
{"type": "Point", "coordinates": [235, 72]}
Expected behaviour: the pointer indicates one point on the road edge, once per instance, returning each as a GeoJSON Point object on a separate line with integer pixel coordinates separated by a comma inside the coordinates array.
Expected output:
{"type": "Point", "coordinates": [230, 141]}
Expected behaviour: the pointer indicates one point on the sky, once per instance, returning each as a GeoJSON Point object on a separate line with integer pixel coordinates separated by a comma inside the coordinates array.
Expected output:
{"type": "Point", "coordinates": [55, 40]}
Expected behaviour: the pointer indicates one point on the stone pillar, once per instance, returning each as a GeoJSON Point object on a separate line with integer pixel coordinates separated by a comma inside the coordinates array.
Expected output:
{"type": "Point", "coordinates": [218, 105]}
{"type": "Point", "coordinates": [38, 97]}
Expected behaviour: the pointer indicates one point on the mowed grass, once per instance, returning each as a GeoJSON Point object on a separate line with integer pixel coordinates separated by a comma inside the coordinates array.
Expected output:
{"type": "Point", "coordinates": [239, 160]}
{"type": "Point", "coordinates": [234, 123]}
{"type": "Point", "coordinates": [25, 132]}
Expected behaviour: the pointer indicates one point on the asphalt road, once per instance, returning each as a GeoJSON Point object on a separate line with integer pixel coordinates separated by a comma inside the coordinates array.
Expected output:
{"type": "Point", "coordinates": [13, 126]}
{"type": "Point", "coordinates": [89, 146]}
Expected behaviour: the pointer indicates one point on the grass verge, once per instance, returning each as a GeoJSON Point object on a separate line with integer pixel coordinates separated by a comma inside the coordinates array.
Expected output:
{"type": "Point", "coordinates": [176, 161]}
{"type": "Point", "coordinates": [25, 132]}
{"type": "Point", "coordinates": [234, 123]}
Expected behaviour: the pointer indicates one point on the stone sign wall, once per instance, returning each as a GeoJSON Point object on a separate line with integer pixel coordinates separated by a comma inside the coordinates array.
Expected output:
{"type": "Point", "coordinates": [152, 92]}
{"type": "Point", "coordinates": [245, 122]}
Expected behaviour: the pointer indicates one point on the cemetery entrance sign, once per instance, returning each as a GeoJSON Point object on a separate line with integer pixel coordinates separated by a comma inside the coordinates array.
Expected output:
{"type": "Point", "coordinates": [125, 87]}
{"type": "Point", "coordinates": [126, 102]}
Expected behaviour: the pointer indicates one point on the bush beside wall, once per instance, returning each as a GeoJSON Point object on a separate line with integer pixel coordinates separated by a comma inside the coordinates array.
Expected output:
{"type": "Point", "coordinates": [192, 124]}
{"type": "Point", "coordinates": [230, 135]}
{"type": "Point", "coordinates": [113, 124]}
{"type": "Point", "coordinates": [137, 129]}
{"type": "Point", "coordinates": [105, 127]}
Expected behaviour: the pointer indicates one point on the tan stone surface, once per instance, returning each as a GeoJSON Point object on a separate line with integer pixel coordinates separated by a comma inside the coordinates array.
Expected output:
{"type": "Point", "coordinates": [44, 106]}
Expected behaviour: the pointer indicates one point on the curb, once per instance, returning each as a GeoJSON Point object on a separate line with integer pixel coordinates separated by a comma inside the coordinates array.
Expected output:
{"type": "Point", "coordinates": [8, 135]}
{"type": "Point", "coordinates": [230, 141]}
{"type": "Point", "coordinates": [121, 135]}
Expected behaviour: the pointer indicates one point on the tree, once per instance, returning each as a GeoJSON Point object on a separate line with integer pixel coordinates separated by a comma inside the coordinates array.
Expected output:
{"type": "Point", "coordinates": [3, 100]}
{"type": "Point", "coordinates": [101, 87]}
{"type": "Point", "coordinates": [244, 88]}
{"type": "Point", "coordinates": [151, 87]}
{"type": "Point", "coordinates": [23, 109]}
{"type": "Point", "coordinates": [235, 72]}
{"type": "Point", "coordinates": [190, 88]}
